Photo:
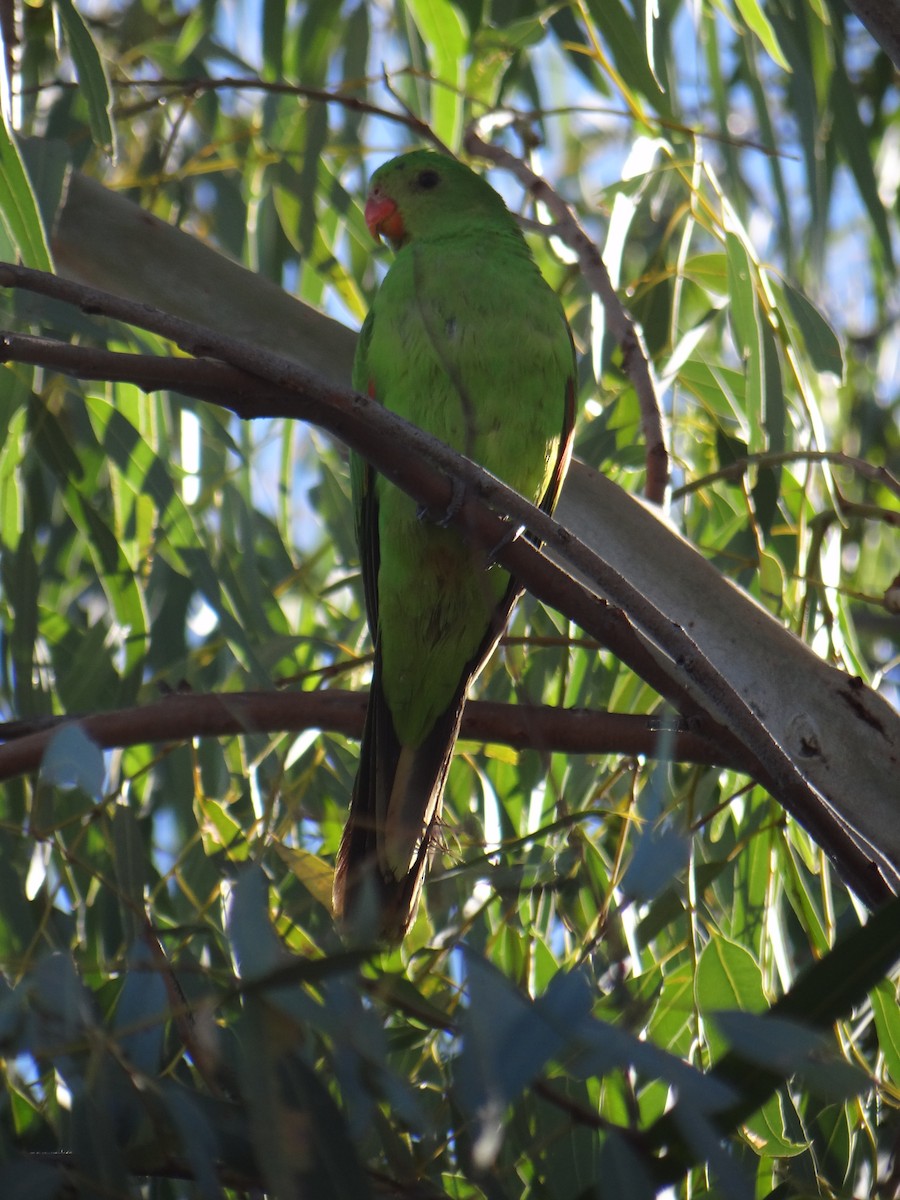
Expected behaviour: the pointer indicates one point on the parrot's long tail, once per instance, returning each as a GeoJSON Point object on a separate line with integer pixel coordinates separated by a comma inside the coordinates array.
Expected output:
{"type": "Point", "coordinates": [395, 812]}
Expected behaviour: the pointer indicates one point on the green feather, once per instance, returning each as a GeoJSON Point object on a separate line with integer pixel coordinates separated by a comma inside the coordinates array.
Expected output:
{"type": "Point", "coordinates": [467, 341]}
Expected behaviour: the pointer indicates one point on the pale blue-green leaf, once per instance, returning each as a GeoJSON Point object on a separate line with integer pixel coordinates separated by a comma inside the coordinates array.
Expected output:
{"type": "Point", "coordinates": [101, 1111]}
{"type": "Point", "coordinates": [787, 1048]}
{"type": "Point", "coordinates": [142, 1010]}
{"type": "Point", "coordinates": [73, 760]}
{"type": "Point", "coordinates": [300, 1135]}
{"type": "Point", "coordinates": [255, 946]}
{"type": "Point", "coordinates": [708, 1147]}
{"type": "Point", "coordinates": [622, 1172]}
{"type": "Point", "coordinates": [493, 1004]}
{"type": "Point", "coordinates": [775, 1042]}
{"type": "Point", "coordinates": [31, 1180]}
{"type": "Point", "coordinates": [507, 1040]}
{"type": "Point", "coordinates": [48, 162]}
{"type": "Point", "coordinates": [63, 1012]}
{"type": "Point", "coordinates": [198, 1139]}
{"type": "Point", "coordinates": [662, 852]}
{"type": "Point", "coordinates": [606, 1047]}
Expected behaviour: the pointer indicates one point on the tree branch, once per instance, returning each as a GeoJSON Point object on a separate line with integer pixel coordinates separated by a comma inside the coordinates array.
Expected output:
{"type": "Point", "coordinates": [882, 19]}
{"type": "Point", "coordinates": [770, 458]}
{"type": "Point", "coordinates": [423, 467]}
{"type": "Point", "coordinates": [183, 715]}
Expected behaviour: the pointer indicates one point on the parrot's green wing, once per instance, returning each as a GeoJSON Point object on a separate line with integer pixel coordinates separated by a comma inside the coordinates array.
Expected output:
{"type": "Point", "coordinates": [466, 340]}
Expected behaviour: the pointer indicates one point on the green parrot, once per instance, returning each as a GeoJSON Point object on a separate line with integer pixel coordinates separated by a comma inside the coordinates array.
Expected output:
{"type": "Point", "coordinates": [466, 340]}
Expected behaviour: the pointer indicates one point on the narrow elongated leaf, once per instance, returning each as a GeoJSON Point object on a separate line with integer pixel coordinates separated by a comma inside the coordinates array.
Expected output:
{"type": "Point", "coordinates": [91, 74]}
{"type": "Point", "coordinates": [853, 138]}
{"type": "Point", "coordinates": [443, 29]}
{"type": "Point", "coordinates": [142, 1010]}
{"type": "Point", "coordinates": [821, 341]}
{"type": "Point", "coordinates": [887, 1021]}
{"type": "Point", "coordinates": [746, 325]}
{"type": "Point", "coordinates": [757, 20]}
{"type": "Point", "coordinates": [19, 211]}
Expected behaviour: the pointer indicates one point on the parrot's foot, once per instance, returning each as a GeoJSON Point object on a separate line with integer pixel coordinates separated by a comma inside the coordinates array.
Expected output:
{"type": "Point", "coordinates": [457, 495]}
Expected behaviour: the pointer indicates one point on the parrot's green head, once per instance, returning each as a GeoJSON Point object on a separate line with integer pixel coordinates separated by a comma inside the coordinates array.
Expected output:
{"type": "Point", "coordinates": [422, 194]}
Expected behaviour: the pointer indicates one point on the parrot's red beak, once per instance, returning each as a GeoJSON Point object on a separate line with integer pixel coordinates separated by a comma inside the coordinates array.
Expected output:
{"type": "Point", "coordinates": [383, 219]}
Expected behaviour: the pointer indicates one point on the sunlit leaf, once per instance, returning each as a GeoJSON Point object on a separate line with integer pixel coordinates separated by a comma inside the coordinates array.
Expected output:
{"type": "Point", "coordinates": [91, 74]}
{"type": "Point", "coordinates": [19, 212]}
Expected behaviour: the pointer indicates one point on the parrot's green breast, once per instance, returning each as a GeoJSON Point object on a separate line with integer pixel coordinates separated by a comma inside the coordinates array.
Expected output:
{"type": "Point", "coordinates": [468, 342]}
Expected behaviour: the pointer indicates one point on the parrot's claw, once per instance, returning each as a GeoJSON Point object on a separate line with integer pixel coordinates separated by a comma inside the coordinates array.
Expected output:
{"type": "Point", "coordinates": [510, 534]}
{"type": "Point", "coordinates": [457, 495]}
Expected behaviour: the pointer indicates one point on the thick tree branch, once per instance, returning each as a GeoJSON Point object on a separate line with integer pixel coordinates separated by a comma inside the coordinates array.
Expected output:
{"type": "Point", "coordinates": [423, 467]}
{"type": "Point", "coordinates": [524, 727]}
{"type": "Point", "coordinates": [882, 19]}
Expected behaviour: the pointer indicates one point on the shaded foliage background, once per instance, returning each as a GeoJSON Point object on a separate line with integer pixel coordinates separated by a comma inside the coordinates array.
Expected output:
{"type": "Point", "coordinates": [176, 1005]}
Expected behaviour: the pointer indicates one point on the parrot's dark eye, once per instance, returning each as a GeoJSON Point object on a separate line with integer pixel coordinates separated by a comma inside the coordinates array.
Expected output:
{"type": "Point", "coordinates": [428, 179]}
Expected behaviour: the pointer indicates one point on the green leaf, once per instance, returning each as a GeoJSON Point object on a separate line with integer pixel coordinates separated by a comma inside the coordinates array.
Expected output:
{"type": "Point", "coordinates": [19, 210]}
{"type": "Point", "coordinates": [770, 1132]}
{"type": "Point", "coordinates": [728, 976]}
{"type": "Point", "coordinates": [758, 22]}
{"type": "Point", "coordinates": [273, 36]}
{"type": "Point", "coordinates": [746, 324]}
{"type": "Point", "coordinates": [444, 31]}
{"type": "Point", "coordinates": [886, 1011]}
{"type": "Point", "coordinates": [853, 139]}
{"type": "Point", "coordinates": [661, 853]}
{"type": "Point", "coordinates": [624, 35]}
{"type": "Point", "coordinates": [821, 341]}
{"type": "Point", "coordinates": [91, 74]}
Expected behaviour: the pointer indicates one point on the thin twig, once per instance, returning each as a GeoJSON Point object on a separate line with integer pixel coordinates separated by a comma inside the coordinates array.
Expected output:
{"type": "Point", "coordinates": [635, 359]}
{"type": "Point", "coordinates": [197, 84]}
{"type": "Point", "coordinates": [739, 468]}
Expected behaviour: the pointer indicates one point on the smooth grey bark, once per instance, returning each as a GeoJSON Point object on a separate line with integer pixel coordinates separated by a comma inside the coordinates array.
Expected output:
{"type": "Point", "coordinates": [841, 736]}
